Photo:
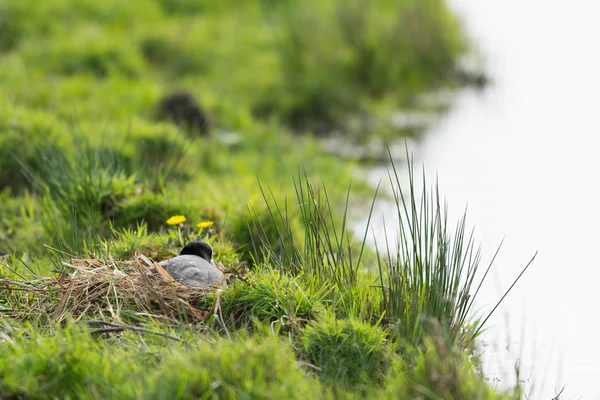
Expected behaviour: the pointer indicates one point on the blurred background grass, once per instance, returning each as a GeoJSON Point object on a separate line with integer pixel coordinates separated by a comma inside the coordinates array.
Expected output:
{"type": "Point", "coordinates": [81, 81]}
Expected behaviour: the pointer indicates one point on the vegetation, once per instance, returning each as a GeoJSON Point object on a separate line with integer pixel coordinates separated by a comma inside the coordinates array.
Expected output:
{"type": "Point", "coordinates": [95, 185]}
{"type": "Point", "coordinates": [268, 332]}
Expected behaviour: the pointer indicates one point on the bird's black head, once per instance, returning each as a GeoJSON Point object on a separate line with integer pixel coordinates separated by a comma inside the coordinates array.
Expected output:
{"type": "Point", "coordinates": [197, 248]}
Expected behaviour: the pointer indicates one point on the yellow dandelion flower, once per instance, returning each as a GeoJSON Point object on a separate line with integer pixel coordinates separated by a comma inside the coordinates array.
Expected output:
{"type": "Point", "coordinates": [205, 224]}
{"type": "Point", "coordinates": [176, 220]}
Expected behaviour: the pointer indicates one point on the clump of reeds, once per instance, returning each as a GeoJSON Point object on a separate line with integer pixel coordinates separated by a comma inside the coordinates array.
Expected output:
{"type": "Point", "coordinates": [429, 277]}
{"type": "Point", "coordinates": [138, 290]}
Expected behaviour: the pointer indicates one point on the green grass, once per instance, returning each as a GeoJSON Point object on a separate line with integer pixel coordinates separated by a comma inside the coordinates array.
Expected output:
{"type": "Point", "coordinates": [272, 297]}
{"type": "Point", "coordinates": [69, 363]}
{"type": "Point", "coordinates": [348, 352]}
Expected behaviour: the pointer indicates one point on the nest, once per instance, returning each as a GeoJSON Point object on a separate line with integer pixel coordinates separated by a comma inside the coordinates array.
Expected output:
{"type": "Point", "coordinates": [136, 290]}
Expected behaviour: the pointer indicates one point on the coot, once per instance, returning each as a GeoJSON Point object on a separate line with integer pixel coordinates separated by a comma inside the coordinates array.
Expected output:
{"type": "Point", "coordinates": [194, 265]}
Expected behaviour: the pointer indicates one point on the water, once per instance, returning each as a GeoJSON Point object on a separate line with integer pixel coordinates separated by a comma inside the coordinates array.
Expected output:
{"type": "Point", "coordinates": [525, 156]}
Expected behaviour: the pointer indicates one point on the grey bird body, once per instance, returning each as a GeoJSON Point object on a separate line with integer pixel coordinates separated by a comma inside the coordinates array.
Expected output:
{"type": "Point", "coordinates": [194, 267]}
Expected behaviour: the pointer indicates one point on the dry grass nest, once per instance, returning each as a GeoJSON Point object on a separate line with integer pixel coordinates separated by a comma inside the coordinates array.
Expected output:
{"type": "Point", "coordinates": [109, 290]}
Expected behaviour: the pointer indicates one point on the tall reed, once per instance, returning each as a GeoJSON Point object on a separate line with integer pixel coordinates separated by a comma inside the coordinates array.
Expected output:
{"type": "Point", "coordinates": [429, 277]}
{"type": "Point", "coordinates": [328, 251]}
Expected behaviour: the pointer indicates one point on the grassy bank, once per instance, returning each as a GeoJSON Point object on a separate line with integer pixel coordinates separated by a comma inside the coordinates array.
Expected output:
{"type": "Point", "coordinates": [318, 316]}
{"type": "Point", "coordinates": [90, 173]}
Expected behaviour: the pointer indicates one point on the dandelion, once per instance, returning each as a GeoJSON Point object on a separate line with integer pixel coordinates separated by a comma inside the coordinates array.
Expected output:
{"type": "Point", "coordinates": [176, 220]}
{"type": "Point", "coordinates": [205, 224]}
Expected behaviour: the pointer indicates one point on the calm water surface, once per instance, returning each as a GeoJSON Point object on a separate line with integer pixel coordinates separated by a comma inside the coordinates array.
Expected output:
{"type": "Point", "coordinates": [525, 157]}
